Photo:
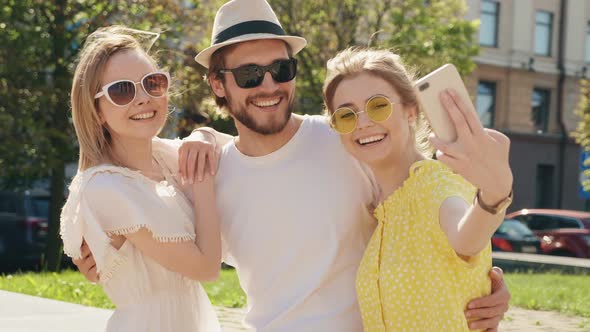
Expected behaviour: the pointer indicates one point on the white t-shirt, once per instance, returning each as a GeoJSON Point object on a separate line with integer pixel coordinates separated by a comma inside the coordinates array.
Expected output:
{"type": "Point", "coordinates": [295, 224]}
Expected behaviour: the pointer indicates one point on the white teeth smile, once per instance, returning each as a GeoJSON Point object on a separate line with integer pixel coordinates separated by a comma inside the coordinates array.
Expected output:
{"type": "Point", "coordinates": [267, 103]}
{"type": "Point", "coordinates": [370, 139]}
{"type": "Point", "coordinates": [143, 116]}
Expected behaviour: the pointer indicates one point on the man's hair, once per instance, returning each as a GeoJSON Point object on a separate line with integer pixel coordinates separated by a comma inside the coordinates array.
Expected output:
{"type": "Point", "coordinates": [216, 64]}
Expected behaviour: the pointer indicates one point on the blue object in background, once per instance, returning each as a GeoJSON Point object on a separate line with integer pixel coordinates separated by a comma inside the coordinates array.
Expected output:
{"type": "Point", "coordinates": [585, 155]}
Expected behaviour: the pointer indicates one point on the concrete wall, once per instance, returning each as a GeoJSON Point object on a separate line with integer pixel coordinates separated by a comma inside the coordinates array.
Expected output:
{"type": "Point", "coordinates": [529, 151]}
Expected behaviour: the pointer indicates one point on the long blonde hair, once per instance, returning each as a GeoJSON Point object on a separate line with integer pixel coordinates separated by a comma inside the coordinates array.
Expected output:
{"type": "Point", "coordinates": [387, 66]}
{"type": "Point", "coordinates": [93, 138]}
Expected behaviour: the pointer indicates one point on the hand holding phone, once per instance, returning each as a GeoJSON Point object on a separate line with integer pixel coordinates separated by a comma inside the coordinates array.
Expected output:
{"type": "Point", "coordinates": [478, 154]}
{"type": "Point", "coordinates": [428, 90]}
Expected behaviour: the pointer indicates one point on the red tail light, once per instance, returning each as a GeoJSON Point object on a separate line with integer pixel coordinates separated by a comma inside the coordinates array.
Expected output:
{"type": "Point", "coordinates": [36, 224]}
{"type": "Point", "coordinates": [503, 244]}
{"type": "Point", "coordinates": [36, 229]}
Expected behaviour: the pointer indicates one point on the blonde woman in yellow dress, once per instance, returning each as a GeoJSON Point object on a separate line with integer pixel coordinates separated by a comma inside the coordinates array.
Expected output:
{"type": "Point", "coordinates": [153, 238]}
{"type": "Point", "coordinates": [430, 253]}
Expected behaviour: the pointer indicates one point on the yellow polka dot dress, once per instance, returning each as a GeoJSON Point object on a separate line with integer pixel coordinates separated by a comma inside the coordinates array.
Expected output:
{"type": "Point", "coordinates": [410, 278]}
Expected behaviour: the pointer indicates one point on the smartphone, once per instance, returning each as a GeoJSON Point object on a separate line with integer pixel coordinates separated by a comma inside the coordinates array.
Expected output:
{"type": "Point", "coordinates": [428, 89]}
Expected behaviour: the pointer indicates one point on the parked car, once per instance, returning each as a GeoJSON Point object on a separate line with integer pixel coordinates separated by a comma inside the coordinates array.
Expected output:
{"type": "Point", "coordinates": [562, 232]}
{"type": "Point", "coordinates": [514, 236]}
{"type": "Point", "coordinates": [23, 227]}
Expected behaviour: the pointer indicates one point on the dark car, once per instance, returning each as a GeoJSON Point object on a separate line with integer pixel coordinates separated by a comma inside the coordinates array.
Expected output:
{"type": "Point", "coordinates": [23, 227]}
{"type": "Point", "coordinates": [514, 236]}
{"type": "Point", "coordinates": [562, 232]}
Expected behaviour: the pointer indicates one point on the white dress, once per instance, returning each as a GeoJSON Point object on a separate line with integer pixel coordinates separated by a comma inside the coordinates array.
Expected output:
{"type": "Point", "coordinates": [108, 200]}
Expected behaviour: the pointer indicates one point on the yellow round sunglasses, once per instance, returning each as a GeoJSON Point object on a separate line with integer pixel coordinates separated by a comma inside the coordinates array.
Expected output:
{"type": "Point", "coordinates": [378, 108]}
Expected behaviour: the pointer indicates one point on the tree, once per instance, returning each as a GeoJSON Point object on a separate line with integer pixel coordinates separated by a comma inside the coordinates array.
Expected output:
{"type": "Point", "coordinates": [582, 133]}
{"type": "Point", "coordinates": [40, 42]}
{"type": "Point", "coordinates": [426, 34]}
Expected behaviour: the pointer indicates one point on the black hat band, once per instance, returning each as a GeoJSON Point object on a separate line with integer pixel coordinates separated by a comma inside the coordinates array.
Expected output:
{"type": "Point", "coordinates": [246, 28]}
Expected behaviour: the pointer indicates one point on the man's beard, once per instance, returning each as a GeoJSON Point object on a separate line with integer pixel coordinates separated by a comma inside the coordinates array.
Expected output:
{"type": "Point", "coordinates": [240, 113]}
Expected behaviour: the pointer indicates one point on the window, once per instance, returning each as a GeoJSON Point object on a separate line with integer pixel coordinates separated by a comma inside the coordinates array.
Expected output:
{"type": "Point", "coordinates": [540, 109]}
{"type": "Point", "coordinates": [513, 228]}
{"type": "Point", "coordinates": [525, 219]}
{"type": "Point", "coordinates": [540, 223]}
{"type": "Point", "coordinates": [544, 222]}
{"type": "Point", "coordinates": [544, 194]}
{"type": "Point", "coordinates": [486, 102]}
{"type": "Point", "coordinates": [543, 29]}
{"type": "Point", "coordinates": [569, 223]}
{"type": "Point", "coordinates": [488, 30]}
{"type": "Point", "coordinates": [588, 43]}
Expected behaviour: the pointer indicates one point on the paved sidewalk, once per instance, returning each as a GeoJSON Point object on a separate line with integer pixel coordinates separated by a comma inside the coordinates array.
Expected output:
{"type": "Point", "coordinates": [25, 313]}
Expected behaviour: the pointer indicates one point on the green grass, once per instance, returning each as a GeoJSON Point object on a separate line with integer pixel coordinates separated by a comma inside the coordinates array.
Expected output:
{"type": "Point", "coordinates": [226, 291]}
{"type": "Point", "coordinates": [71, 286]}
{"type": "Point", "coordinates": [569, 294]}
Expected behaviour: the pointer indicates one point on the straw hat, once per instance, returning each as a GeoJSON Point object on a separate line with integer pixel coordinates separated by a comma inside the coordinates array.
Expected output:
{"type": "Point", "coordinates": [242, 20]}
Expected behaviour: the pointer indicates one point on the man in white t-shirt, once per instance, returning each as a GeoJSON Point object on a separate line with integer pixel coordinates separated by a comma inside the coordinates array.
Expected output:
{"type": "Point", "coordinates": [295, 207]}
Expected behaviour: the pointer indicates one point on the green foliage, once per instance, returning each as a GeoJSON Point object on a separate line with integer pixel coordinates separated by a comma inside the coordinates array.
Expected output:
{"type": "Point", "coordinates": [582, 133]}
{"type": "Point", "coordinates": [226, 290]}
{"type": "Point", "coordinates": [40, 43]}
{"type": "Point", "coordinates": [426, 34]}
{"type": "Point", "coordinates": [36, 44]}
{"type": "Point", "coordinates": [427, 37]}
{"type": "Point", "coordinates": [564, 293]}
{"type": "Point", "coordinates": [41, 39]}
{"type": "Point", "coordinates": [32, 97]}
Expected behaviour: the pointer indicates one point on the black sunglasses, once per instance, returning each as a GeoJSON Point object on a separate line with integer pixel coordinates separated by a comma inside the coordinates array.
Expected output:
{"type": "Point", "coordinates": [251, 76]}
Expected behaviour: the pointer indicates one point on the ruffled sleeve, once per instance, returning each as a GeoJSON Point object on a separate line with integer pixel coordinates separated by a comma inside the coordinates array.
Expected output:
{"type": "Point", "coordinates": [108, 200]}
{"type": "Point", "coordinates": [442, 183]}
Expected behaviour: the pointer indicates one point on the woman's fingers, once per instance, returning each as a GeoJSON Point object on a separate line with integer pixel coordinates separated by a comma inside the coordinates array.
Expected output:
{"type": "Point", "coordinates": [463, 130]}
{"type": "Point", "coordinates": [182, 154]}
{"type": "Point", "coordinates": [438, 144]}
{"type": "Point", "coordinates": [213, 158]}
{"type": "Point", "coordinates": [202, 158]}
{"type": "Point", "coordinates": [195, 159]}
{"type": "Point", "coordinates": [452, 150]}
{"type": "Point", "coordinates": [468, 112]}
{"type": "Point", "coordinates": [451, 162]}
{"type": "Point", "coordinates": [490, 324]}
{"type": "Point", "coordinates": [191, 161]}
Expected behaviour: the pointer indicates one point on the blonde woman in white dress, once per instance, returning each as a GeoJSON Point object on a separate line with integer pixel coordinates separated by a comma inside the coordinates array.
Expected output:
{"type": "Point", "coordinates": [151, 245]}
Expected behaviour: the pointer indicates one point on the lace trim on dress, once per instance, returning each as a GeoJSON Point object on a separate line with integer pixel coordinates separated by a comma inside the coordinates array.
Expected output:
{"type": "Point", "coordinates": [71, 223]}
{"type": "Point", "coordinates": [159, 238]}
{"type": "Point", "coordinates": [71, 226]}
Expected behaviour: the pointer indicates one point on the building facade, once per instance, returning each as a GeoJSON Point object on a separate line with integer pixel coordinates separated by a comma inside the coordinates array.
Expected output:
{"type": "Point", "coordinates": [533, 55]}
